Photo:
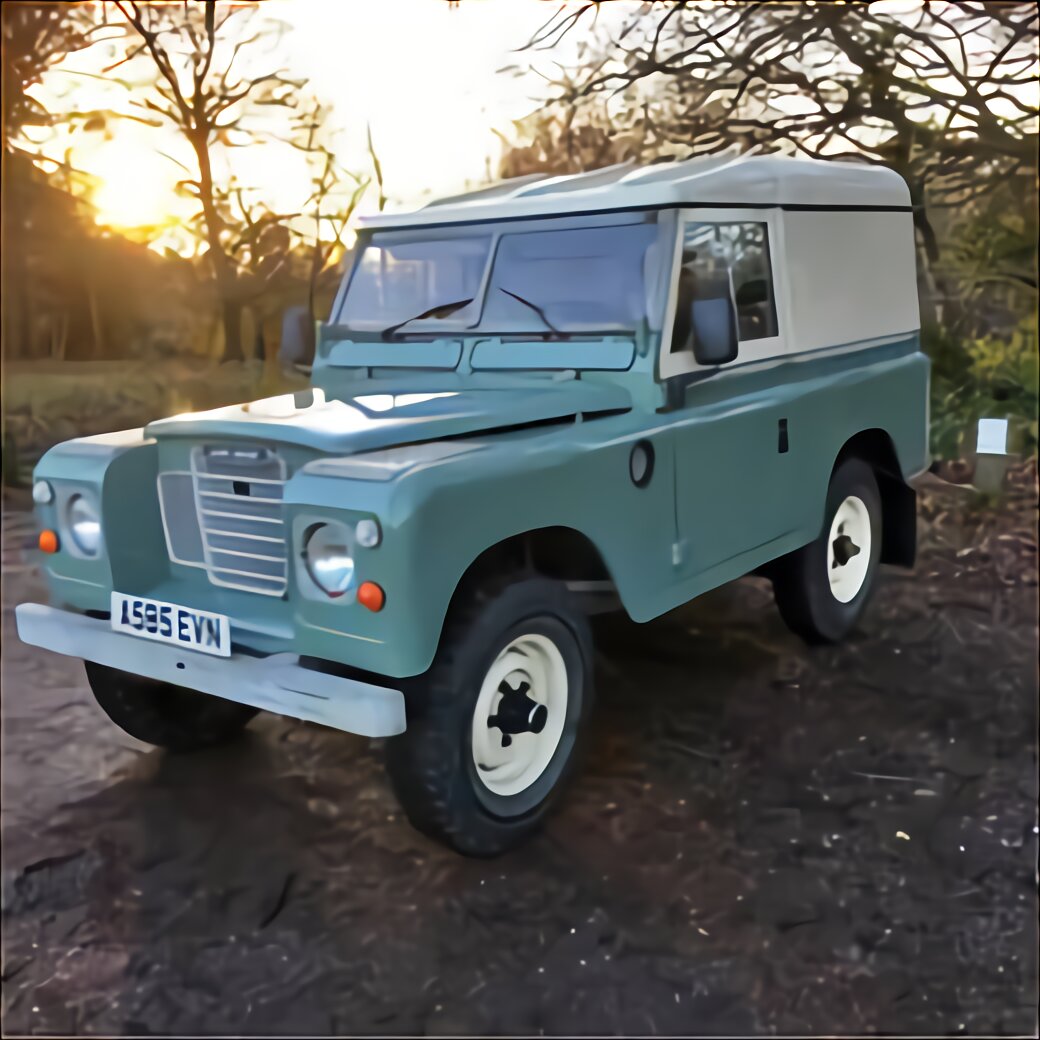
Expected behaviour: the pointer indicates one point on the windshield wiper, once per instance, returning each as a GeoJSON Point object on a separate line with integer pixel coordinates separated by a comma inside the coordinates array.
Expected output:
{"type": "Point", "coordinates": [534, 306]}
{"type": "Point", "coordinates": [442, 310]}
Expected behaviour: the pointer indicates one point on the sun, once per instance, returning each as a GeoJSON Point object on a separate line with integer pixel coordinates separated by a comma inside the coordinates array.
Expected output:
{"type": "Point", "coordinates": [133, 191]}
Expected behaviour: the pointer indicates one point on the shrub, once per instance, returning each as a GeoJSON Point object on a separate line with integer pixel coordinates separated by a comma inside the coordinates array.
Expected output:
{"type": "Point", "coordinates": [992, 376]}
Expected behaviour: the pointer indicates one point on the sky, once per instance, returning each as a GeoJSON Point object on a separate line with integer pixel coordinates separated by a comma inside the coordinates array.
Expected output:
{"type": "Point", "coordinates": [422, 74]}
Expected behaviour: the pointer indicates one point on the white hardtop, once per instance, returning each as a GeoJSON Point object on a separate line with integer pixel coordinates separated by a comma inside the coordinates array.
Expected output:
{"type": "Point", "coordinates": [717, 181]}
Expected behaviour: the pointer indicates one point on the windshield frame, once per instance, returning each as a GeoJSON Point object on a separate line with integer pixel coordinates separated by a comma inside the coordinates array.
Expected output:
{"type": "Point", "coordinates": [427, 328]}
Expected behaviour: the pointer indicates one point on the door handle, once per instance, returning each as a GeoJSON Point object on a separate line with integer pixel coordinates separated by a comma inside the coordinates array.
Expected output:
{"type": "Point", "coordinates": [782, 443]}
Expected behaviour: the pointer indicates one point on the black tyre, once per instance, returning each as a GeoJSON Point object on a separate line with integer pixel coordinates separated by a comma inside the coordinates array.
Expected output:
{"type": "Point", "coordinates": [822, 588]}
{"type": "Point", "coordinates": [495, 726]}
{"type": "Point", "coordinates": [167, 716]}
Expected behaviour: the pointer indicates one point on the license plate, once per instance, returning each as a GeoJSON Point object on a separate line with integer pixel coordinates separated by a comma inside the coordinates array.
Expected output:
{"type": "Point", "coordinates": [169, 623]}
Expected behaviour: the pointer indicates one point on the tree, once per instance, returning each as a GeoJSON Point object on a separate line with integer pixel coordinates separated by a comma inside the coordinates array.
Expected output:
{"type": "Point", "coordinates": [200, 92]}
{"type": "Point", "coordinates": [35, 37]}
{"type": "Point", "coordinates": [329, 176]}
{"type": "Point", "coordinates": [944, 93]}
{"type": "Point", "coordinates": [950, 75]}
{"type": "Point", "coordinates": [555, 139]}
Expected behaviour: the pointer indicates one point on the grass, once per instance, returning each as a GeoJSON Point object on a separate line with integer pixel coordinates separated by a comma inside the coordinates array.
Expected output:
{"type": "Point", "coordinates": [46, 402]}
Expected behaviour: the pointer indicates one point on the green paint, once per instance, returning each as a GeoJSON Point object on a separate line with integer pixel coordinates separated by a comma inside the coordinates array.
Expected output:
{"type": "Point", "coordinates": [449, 476]}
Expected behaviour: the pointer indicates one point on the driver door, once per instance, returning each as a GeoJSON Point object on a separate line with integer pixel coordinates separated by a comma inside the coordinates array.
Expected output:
{"type": "Point", "coordinates": [734, 450]}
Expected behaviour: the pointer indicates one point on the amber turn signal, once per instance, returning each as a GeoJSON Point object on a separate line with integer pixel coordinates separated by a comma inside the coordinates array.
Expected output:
{"type": "Point", "coordinates": [370, 595]}
{"type": "Point", "coordinates": [48, 542]}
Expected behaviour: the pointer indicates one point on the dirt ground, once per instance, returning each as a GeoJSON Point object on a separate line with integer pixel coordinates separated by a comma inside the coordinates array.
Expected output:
{"type": "Point", "coordinates": [766, 839]}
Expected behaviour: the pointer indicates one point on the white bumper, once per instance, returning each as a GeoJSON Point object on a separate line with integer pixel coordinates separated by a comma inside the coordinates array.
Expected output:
{"type": "Point", "coordinates": [277, 683]}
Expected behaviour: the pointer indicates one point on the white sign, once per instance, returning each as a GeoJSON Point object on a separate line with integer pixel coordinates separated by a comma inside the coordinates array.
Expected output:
{"type": "Point", "coordinates": [992, 437]}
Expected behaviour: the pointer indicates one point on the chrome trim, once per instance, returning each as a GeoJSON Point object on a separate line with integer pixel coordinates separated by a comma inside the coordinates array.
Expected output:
{"type": "Point", "coordinates": [242, 534]}
{"type": "Point", "coordinates": [252, 498]}
{"type": "Point", "coordinates": [241, 516]}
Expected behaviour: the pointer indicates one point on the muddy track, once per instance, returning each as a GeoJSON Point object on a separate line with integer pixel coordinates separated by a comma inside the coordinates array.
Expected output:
{"type": "Point", "coordinates": [765, 839]}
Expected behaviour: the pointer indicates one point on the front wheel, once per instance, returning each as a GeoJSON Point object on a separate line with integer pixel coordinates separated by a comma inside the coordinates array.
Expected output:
{"type": "Point", "coordinates": [823, 588]}
{"type": "Point", "coordinates": [168, 716]}
{"type": "Point", "coordinates": [495, 726]}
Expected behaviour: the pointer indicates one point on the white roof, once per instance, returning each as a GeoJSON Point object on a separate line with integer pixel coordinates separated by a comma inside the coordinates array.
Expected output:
{"type": "Point", "coordinates": [766, 180]}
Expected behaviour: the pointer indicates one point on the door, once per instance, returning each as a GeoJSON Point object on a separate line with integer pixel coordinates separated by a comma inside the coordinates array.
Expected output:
{"type": "Point", "coordinates": [734, 447]}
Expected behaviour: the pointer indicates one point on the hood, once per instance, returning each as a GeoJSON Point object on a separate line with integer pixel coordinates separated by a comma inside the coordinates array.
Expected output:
{"type": "Point", "coordinates": [381, 420]}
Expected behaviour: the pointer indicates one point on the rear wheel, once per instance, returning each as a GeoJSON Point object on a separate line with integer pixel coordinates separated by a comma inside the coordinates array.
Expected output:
{"type": "Point", "coordinates": [167, 716]}
{"type": "Point", "coordinates": [823, 588]}
{"type": "Point", "coordinates": [494, 727]}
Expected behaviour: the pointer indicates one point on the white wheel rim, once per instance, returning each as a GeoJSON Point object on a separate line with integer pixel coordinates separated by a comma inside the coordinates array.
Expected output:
{"type": "Point", "coordinates": [508, 767]}
{"type": "Point", "coordinates": [848, 549]}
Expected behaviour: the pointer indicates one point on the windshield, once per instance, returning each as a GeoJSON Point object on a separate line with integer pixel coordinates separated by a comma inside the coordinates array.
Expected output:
{"type": "Point", "coordinates": [400, 277]}
{"type": "Point", "coordinates": [542, 282]}
{"type": "Point", "coordinates": [571, 280]}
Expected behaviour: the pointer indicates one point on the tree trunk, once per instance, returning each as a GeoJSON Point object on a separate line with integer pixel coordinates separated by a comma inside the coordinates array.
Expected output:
{"type": "Point", "coordinates": [97, 347]}
{"type": "Point", "coordinates": [15, 338]}
{"type": "Point", "coordinates": [231, 315]}
{"type": "Point", "coordinates": [223, 269]}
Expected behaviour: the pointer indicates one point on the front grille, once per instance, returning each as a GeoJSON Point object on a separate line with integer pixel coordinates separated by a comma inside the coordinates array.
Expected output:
{"type": "Point", "coordinates": [225, 515]}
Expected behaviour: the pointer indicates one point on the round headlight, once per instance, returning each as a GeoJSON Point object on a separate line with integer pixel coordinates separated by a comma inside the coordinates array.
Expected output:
{"type": "Point", "coordinates": [326, 551]}
{"type": "Point", "coordinates": [42, 492]}
{"type": "Point", "coordinates": [84, 525]}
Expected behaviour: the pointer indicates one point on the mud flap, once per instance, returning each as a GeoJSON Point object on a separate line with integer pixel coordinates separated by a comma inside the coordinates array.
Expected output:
{"type": "Point", "coordinates": [899, 520]}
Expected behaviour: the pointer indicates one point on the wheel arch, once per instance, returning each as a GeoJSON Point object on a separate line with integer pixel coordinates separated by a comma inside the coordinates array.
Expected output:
{"type": "Point", "coordinates": [898, 500]}
{"type": "Point", "coordinates": [560, 552]}
{"type": "Point", "coordinates": [555, 551]}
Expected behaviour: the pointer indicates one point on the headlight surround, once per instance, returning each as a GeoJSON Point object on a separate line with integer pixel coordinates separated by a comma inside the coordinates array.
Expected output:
{"type": "Point", "coordinates": [327, 555]}
{"type": "Point", "coordinates": [84, 525]}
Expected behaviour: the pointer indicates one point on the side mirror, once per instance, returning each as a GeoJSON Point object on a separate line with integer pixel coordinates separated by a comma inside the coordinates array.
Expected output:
{"type": "Point", "coordinates": [714, 323]}
{"type": "Point", "coordinates": [296, 349]}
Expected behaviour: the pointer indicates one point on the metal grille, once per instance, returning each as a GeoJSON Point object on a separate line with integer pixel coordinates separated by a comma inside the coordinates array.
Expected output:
{"type": "Point", "coordinates": [238, 494]}
{"type": "Point", "coordinates": [235, 529]}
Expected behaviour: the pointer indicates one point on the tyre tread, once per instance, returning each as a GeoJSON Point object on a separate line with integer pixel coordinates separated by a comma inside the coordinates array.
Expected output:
{"type": "Point", "coordinates": [423, 761]}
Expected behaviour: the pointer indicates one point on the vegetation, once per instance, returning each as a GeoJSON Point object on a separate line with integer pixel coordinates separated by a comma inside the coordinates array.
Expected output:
{"type": "Point", "coordinates": [81, 292]}
{"type": "Point", "coordinates": [994, 375]}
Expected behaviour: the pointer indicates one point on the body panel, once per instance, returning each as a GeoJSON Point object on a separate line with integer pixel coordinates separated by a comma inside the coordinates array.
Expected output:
{"type": "Point", "coordinates": [441, 504]}
{"type": "Point", "coordinates": [378, 420]}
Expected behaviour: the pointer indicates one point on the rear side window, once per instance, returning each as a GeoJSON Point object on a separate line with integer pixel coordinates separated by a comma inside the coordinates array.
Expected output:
{"type": "Point", "coordinates": [718, 259]}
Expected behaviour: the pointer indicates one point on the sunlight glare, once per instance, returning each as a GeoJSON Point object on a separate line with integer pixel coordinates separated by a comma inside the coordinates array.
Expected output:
{"type": "Point", "coordinates": [134, 190]}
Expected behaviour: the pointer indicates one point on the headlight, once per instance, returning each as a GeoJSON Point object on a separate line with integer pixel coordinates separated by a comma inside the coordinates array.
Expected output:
{"type": "Point", "coordinates": [42, 492]}
{"type": "Point", "coordinates": [326, 551]}
{"type": "Point", "coordinates": [84, 525]}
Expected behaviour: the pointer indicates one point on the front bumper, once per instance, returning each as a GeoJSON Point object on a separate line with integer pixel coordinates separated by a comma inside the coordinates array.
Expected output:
{"type": "Point", "coordinates": [276, 683]}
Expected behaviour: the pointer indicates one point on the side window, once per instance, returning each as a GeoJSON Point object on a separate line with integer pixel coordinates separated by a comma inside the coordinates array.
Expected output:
{"type": "Point", "coordinates": [720, 260]}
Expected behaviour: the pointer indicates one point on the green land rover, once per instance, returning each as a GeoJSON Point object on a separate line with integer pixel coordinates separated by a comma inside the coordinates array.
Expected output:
{"type": "Point", "coordinates": [530, 403]}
